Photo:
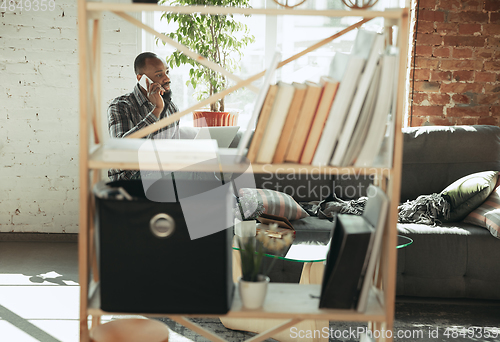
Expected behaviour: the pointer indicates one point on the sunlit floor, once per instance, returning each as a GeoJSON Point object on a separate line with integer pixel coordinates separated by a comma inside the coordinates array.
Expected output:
{"type": "Point", "coordinates": [39, 291]}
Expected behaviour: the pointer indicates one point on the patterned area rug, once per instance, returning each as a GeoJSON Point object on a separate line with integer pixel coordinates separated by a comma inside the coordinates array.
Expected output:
{"type": "Point", "coordinates": [414, 322]}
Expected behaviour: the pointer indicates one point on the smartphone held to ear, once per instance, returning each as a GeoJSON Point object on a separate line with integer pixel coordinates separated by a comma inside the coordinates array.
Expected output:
{"type": "Point", "coordinates": [143, 84]}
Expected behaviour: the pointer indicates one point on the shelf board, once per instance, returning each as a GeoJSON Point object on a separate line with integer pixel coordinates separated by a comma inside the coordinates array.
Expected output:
{"type": "Point", "coordinates": [283, 301]}
{"type": "Point", "coordinates": [139, 7]}
{"type": "Point", "coordinates": [96, 161]}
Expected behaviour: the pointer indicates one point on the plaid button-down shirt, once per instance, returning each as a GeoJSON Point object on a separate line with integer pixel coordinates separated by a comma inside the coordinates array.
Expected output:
{"type": "Point", "coordinates": [131, 112]}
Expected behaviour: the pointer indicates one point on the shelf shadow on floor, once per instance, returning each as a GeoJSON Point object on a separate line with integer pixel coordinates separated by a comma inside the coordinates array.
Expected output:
{"type": "Point", "coordinates": [25, 326]}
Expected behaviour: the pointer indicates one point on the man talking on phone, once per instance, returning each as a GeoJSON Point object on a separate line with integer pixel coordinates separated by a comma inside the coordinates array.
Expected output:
{"type": "Point", "coordinates": [144, 106]}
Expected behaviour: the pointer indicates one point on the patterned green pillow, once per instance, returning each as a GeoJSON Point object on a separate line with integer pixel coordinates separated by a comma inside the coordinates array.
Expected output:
{"type": "Point", "coordinates": [487, 215]}
{"type": "Point", "coordinates": [467, 193]}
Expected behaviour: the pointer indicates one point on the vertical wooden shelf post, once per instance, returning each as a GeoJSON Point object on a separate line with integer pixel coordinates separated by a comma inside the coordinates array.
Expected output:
{"type": "Point", "coordinates": [84, 179]}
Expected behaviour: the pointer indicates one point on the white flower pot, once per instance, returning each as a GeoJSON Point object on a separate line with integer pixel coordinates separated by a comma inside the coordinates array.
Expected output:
{"type": "Point", "coordinates": [245, 228]}
{"type": "Point", "coordinates": [253, 293]}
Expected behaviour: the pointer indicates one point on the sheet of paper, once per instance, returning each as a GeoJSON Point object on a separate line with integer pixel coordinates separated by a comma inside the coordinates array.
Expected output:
{"type": "Point", "coordinates": [307, 252]}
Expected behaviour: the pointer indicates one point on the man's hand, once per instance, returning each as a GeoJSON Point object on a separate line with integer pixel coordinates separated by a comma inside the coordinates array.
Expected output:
{"type": "Point", "coordinates": [155, 90]}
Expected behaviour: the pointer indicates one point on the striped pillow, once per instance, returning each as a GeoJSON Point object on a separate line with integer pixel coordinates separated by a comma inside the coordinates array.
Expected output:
{"type": "Point", "coordinates": [487, 215]}
{"type": "Point", "coordinates": [277, 203]}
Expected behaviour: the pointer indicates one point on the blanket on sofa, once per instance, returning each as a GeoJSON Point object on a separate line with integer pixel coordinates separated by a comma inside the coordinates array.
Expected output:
{"type": "Point", "coordinates": [426, 209]}
{"type": "Point", "coordinates": [327, 208]}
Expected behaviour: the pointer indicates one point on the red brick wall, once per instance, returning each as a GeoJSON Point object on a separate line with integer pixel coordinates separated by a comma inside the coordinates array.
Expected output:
{"type": "Point", "coordinates": [457, 64]}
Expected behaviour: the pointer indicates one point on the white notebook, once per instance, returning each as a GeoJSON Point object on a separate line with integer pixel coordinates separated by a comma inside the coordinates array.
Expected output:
{"type": "Point", "coordinates": [338, 112]}
{"type": "Point", "coordinates": [357, 102]}
{"type": "Point", "coordinates": [375, 136]}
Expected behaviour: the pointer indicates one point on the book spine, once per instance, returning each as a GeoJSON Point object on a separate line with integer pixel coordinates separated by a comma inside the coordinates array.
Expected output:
{"type": "Point", "coordinates": [262, 123]}
{"type": "Point", "coordinates": [314, 135]}
{"type": "Point", "coordinates": [291, 119]}
{"type": "Point", "coordinates": [276, 122]}
{"type": "Point", "coordinates": [304, 122]}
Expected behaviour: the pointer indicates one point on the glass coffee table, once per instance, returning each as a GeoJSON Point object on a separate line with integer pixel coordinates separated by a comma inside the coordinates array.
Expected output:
{"type": "Point", "coordinates": [308, 252]}
{"type": "Point", "coordinates": [312, 254]}
{"type": "Point", "coordinates": [403, 241]}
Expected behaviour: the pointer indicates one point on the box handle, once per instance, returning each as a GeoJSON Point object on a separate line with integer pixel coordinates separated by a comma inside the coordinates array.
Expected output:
{"type": "Point", "coordinates": [162, 225]}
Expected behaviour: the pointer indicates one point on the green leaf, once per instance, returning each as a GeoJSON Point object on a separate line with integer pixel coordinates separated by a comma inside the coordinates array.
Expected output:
{"type": "Point", "coordinates": [219, 38]}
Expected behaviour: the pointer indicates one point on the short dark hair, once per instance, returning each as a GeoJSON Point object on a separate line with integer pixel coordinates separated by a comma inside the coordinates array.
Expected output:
{"type": "Point", "coordinates": [140, 61]}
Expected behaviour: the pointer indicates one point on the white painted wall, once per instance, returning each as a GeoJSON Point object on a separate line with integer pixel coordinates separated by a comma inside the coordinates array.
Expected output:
{"type": "Point", "coordinates": [39, 112]}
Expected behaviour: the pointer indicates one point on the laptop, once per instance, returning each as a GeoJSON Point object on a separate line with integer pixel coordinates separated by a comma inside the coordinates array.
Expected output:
{"type": "Point", "coordinates": [223, 134]}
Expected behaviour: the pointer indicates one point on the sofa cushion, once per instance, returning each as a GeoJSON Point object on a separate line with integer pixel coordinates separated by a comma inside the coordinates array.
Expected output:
{"type": "Point", "coordinates": [313, 224]}
{"type": "Point", "coordinates": [487, 215]}
{"type": "Point", "coordinates": [467, 193]}
{"type": "Point", "coordinates": [436, 156]}
{"type": "Point", "coordinates": [455, 260]}
{"type": "Point", "coordinates": [276, 203]}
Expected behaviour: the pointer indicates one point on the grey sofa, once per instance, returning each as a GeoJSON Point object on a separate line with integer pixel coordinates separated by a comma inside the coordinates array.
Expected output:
{"type": "Point", "coordinates": [453, 260]}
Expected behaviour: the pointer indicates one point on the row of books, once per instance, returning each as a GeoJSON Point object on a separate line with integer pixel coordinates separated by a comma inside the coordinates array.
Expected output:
{"type": "Point", "coordinates": [340, 121]}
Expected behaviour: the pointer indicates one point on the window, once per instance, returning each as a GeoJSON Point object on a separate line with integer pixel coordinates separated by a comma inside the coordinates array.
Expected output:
{"type": "Point", "coordinates": [287, 34]}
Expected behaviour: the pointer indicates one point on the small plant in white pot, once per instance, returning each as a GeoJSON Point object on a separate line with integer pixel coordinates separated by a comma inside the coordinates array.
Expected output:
{"type": "Point", "coordinates": [254, 279]}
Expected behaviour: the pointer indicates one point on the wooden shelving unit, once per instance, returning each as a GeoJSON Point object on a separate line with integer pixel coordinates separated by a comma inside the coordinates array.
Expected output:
{"type": "Point", "coordinates": [284, 301]}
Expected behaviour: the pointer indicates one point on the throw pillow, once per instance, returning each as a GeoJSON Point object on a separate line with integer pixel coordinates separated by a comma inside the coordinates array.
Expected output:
{"type": "Point", "coordinates": [467, 193]}
{"type": "Point", "coordinates": [487, 215]}
{"type": "Point", "coordinates": [277, 203]}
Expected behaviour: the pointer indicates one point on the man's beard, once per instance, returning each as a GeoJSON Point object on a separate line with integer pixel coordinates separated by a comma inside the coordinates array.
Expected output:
{"type": "Point", "coordinates": [167, 96]}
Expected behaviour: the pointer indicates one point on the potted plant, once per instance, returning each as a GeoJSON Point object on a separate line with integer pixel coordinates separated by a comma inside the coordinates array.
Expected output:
{"type": "Point", "coordinates": [219, 38]}
{"type": "Point", "coordinates": [252, 284]}
{"type": "Point", "coordinates": [252, 246]}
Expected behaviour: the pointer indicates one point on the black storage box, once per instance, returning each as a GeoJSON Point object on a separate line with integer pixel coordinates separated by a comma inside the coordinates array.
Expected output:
{"type": "Point", "coordinates": [142, 270]}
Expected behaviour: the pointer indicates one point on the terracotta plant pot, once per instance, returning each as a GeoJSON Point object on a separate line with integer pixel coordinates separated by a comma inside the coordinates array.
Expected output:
{"type": "Point", "coordinates": [211, 119]}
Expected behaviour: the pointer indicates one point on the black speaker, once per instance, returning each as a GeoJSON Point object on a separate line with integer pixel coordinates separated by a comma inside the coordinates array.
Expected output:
{"type": "Point", "coordinates": [147, 261]}
{"type": "Point", "coordinates": [344, 263]}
